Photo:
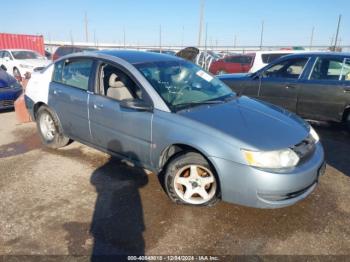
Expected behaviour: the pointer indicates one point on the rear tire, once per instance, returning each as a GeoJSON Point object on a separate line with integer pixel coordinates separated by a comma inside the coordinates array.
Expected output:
{"type": "Point", "coordinates": [189, 179]}
{"type": "Point", "coordinates": [16, 73]}
{"type": "Point", "coordinates": [347, 121]}
{"type": "Point", "coordinates": [49, 128]}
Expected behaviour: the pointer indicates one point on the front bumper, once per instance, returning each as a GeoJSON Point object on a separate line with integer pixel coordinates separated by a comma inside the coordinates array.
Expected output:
{"type": "Point", "coordinates": [8, 97]}
{"type": "Point", "coordinates": [249, 186]}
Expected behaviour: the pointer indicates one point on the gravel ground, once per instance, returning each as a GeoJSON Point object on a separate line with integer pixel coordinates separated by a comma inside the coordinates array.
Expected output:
{"type": "Point", "coordinates": [79, 201]}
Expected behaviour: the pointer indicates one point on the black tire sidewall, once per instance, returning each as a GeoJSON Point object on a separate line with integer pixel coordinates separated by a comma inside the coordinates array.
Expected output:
{"type": "Point", "coordinates": [179, 161]}
{"type": "Point", "coordinates": [59, 139]}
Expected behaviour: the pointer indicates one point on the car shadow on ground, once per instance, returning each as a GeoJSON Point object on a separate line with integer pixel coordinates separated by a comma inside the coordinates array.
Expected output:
{"type": "Point", "coordinates": [335, 139]}
{"type": "Point", "coordinates": [117, 224]}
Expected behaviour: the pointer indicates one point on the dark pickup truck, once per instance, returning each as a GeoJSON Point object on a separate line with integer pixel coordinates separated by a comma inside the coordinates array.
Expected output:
{"type": "Point", "coordinates": [313, 85]}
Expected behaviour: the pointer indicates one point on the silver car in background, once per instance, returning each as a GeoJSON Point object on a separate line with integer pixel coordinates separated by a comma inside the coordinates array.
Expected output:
{"type": "Point", "coordinates": [168, 115]}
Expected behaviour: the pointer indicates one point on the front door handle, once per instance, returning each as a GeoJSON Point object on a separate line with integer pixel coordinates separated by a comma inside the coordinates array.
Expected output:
{"type": "Point", "coordinates": [98, 106]}
{"type": "Point", "coordinates": [290, 87]}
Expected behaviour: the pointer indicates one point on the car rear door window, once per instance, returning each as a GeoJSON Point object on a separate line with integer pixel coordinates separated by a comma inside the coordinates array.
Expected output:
{"type": "Point", "coordinates": [346, 70]}
{"type": "Point", "coordinates": [289, 69]}
{"type": "Point", "coordinates": [327, 69]}
{"type": "Point", "coordinates": [268, 58]}
{"type": "Point", "coordinates": [74, 73]}
{"type": "Point", "coordinates": [233, 59]}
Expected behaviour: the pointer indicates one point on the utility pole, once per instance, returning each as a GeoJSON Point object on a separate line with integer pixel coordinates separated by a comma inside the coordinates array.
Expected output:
{"type": "Point", "coordinates": [160, 38]}
{"type": "Point", "coordinates": [206, 36]}
{"type": "Point", "coordinates": [182, 36]}
{"type": "Point", "coordinates": [86, 28]}
{"type": "Point", "coordinates": [312, 37]}
{"type": "Point", "coordinates": [337, 34]}
{"type": "Point", "coordinates": [95, 37]}
{"type": "Point", "coordinates": [124, 37]}
{"type": "Point", "coordinates": [261, 34]}
{"type": "Point", "coordinates": [201, 17]}
{"type": "Point", "coordinates": [235, 41]}
{"type": "Point", "coordinates": [71, 37]}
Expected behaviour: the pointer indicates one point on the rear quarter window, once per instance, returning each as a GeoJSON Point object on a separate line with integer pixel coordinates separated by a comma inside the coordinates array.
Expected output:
{"type": "Point", "coordinates": [74, 73]}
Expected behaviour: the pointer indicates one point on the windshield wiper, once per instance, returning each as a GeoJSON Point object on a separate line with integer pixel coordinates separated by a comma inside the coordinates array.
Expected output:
{"type": "Point", "coordinates": [197, 103]}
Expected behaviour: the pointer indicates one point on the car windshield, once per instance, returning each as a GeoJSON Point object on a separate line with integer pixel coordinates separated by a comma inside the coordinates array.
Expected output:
{"type": "Point", "coordinates": [20, 55]}
{"type": "Point", "coordinates": [182, 84]}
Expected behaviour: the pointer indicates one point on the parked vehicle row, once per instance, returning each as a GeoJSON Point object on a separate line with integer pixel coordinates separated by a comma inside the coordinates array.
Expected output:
{"type": "Point", "coordinates": [249, 62]}
{"type": "Point", "coordinates": [170, 116]}
{"type": "Point", "coordinates": [70, 49]}
{"type": "Point", "coordinates": [313, 85]}
{"type": "Point", "coordinates": [20, 61]}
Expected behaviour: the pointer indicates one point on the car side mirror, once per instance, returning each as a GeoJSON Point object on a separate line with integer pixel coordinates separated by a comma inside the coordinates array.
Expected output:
{"type": "Point", "coordinates": [136, 104]}
{"type": "Point", "coordinates": [3, 67]}
{"type": "Point", "coordinates": [256, 76]}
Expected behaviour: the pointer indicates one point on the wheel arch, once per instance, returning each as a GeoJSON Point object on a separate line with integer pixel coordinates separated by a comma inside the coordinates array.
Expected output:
{"type": "Point", "coordinates": [346, 112]}
{"type": "Point", "coordinates": [172, 150]}
{"type": "Point", "coordinates": [36, 108]}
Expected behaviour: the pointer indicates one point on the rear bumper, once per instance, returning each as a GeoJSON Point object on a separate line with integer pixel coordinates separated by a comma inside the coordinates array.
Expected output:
{"type": "Point", "coordinates": [248, 186]}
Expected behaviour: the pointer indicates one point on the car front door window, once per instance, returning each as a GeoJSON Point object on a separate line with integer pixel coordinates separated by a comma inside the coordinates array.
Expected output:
{"type": "Point", "coordinates": [288, 69]}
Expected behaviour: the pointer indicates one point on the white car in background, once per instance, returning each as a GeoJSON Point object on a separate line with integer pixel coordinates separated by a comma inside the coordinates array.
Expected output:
{"type": "Point", "coordinates": [20, 61]}
{"type": "Point", "coordinates": [263, 58]}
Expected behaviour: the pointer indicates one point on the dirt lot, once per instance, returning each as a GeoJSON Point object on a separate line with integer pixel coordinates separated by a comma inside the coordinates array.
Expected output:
{"type": "Point", "coordinates": [80, 201]}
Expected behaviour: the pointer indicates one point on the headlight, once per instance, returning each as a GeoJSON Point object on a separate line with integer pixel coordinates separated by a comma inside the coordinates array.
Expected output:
{"type": "Point", "coordinates": [271, 159]}
{"type": "Point", "coordinates": [26, 66]}
{"type": "Point", "coordinates": [314, 134]}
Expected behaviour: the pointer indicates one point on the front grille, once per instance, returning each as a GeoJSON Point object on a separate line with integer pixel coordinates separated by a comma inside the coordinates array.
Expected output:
{"type": "Point", "coordinates": [6, 103]}
{"type": "Point", "coordinates": [305, 148]}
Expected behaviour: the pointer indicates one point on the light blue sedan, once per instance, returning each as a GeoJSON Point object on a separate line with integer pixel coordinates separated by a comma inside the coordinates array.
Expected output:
{"type": "Point", "coordinates": [169, 116]}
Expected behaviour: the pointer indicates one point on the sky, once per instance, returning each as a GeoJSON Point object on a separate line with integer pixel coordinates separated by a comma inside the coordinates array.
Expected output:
{"type": "Point", "coordinates": [286, 23]}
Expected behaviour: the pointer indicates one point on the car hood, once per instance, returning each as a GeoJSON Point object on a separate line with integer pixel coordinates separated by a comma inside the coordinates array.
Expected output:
{"type": "Point", "coordinates": [188, 53]}
{"type": "Point", "coordinates": [238, 76]}
{"type": "Point", "coordinates": [252, 124]}
{"type": "Point", "coordinates": [35, 62]}
{"type": "Point", "coordinates": [5, 79]}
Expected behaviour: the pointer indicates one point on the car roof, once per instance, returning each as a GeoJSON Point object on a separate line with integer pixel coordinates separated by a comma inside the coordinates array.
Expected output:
{"type": "Point", "coordinates": [324, 54]}
{"type": "Point", "coordinates": [17, 49]}
{"type": "Point", "coordinates": [276, 52]}
{"type": "Point", "coordinates": [139, 57]}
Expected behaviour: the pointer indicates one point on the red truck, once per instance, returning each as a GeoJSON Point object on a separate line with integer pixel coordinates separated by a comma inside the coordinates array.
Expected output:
{"type": "Point", "coordinates": [232, 64]}
{"type": "Point", "coordinates": [16, 41]}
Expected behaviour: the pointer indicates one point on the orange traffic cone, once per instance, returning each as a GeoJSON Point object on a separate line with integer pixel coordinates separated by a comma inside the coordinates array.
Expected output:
{"type": "Point", "coordinates": [22, 113]}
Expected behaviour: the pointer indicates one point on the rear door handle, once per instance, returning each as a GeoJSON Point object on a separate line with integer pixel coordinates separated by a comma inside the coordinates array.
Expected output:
{"type": "Point", "coordinates": [98, 106]}
{"type": "Point", "coordinates": [347, 89]}
{"type": "Point", "coordinates": [290, 87]}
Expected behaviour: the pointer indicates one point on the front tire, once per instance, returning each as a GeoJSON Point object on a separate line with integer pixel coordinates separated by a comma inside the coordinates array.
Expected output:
{"type": "Point", "coordinates": [189, 179]}
{"type": "Point", "coordinates": [49, 128]}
